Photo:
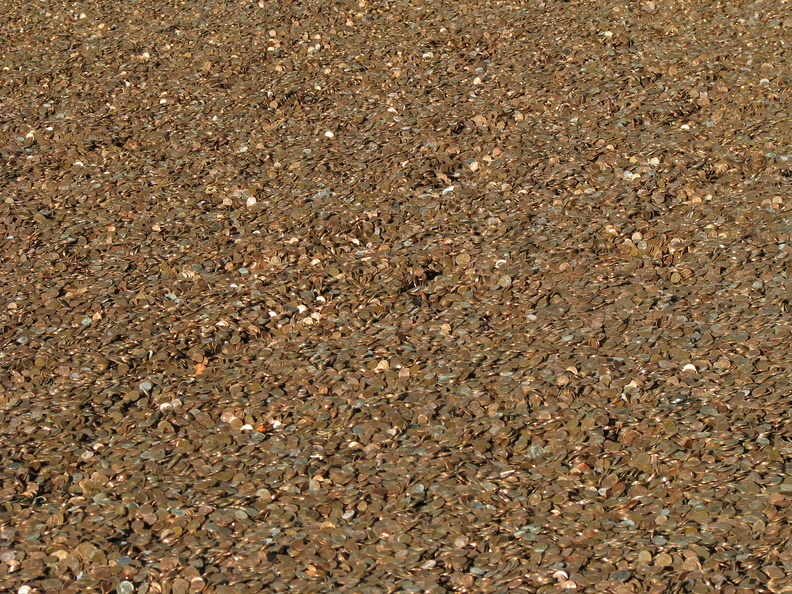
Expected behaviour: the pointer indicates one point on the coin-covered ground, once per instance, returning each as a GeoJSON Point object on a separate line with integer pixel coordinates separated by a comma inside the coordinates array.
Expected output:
{"type": "Point", "coordinates": [395, 296]}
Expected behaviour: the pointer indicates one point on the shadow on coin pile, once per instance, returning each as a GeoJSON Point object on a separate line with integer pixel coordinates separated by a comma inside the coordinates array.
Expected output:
{"type": "Point", "coordinates": [356, 296]}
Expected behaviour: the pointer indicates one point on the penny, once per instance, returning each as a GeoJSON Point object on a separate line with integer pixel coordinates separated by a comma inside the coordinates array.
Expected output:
{"type": "Point", "coordinates": [431, 296]}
